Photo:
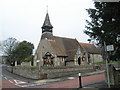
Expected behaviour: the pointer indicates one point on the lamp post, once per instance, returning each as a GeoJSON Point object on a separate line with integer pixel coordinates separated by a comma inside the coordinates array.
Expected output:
{"type": "Point", "coordinates": [38, 61]}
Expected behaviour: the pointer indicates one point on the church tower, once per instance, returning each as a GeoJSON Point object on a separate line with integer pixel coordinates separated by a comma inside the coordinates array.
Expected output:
{"type": "Point", "coordinates": [47, 28]}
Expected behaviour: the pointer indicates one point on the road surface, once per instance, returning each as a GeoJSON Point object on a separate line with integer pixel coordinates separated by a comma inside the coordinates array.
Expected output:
{"type": "Point", "coordinates": [74, 83]}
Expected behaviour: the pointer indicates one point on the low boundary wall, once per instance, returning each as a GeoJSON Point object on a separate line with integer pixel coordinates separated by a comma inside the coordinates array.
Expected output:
{"type": "Point", "coordinates": [44, 73]}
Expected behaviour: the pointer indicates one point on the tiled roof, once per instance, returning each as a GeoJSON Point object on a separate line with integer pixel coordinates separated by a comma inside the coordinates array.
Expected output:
{"type": "Point", "coordinates": [57, 48]}
{"type": "Point", "coordinates": [71, 46]}
{"type": "Point", "coordinates": [90, 48]}
{"type": "Point", "coordinates": [65, 46]}
{"type": "Point", "coordinates": [68, 47]}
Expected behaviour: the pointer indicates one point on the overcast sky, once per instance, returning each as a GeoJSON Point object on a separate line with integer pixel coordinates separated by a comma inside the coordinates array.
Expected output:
{"type": "Point", "coordinates": [23, 19]}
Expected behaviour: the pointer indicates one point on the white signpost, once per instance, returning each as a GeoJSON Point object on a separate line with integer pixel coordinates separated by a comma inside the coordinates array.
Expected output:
{"type": "Point", "coordinates": [110, 48]}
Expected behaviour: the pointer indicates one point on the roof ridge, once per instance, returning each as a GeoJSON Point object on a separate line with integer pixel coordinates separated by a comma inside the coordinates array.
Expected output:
{"type": "Point", "coordinates": [85, 43]}
{"type": "Point", "coordinates": [51, 40]}
{"type": "Point", "coordinates": [65, 37]}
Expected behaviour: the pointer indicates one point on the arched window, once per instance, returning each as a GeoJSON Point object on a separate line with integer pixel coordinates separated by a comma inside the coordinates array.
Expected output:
{"type": "Point", "coordinates": [79, 60]}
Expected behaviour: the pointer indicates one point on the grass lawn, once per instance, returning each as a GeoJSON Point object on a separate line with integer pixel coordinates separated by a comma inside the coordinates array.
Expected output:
{"type": "Point", "coordinates": [113, 62]}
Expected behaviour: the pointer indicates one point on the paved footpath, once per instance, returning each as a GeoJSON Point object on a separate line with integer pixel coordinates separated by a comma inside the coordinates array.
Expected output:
{"type": "Point", "coordinates": [73, 83]}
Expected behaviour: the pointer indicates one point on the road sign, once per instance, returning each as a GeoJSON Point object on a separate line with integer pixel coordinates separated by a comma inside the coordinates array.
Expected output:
{"type": "Point", "coordinates": [110, 48]}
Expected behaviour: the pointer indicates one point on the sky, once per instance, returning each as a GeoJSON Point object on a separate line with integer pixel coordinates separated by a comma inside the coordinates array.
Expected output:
{"type": "Point", "coordinates": [23, 19]}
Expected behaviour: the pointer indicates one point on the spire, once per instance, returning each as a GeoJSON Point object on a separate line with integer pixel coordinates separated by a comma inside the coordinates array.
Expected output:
{"type": "Point", "coordinates": [47, 27]}
{"type": "Point", "coordinates": [47, 22]}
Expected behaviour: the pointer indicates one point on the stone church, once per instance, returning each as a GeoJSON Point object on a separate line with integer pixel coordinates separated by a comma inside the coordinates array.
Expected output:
{"type": "Point", "coordinates": [57, 51]}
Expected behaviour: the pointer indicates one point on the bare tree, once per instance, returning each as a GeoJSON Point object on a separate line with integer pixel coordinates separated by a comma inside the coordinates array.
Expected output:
{"type": "Point", "coordinates": [7, 47]}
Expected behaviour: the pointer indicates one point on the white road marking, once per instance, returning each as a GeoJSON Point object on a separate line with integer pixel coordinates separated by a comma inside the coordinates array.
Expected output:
{"type": "Point", "coordinates": [10, 81]}
{"type": "Point", "coordinates": [30, 85]}
{"type": "Point", "coordinates": [5, 78]}
{"type": "Point", "coordinates": [87, 87]}
{"type": "Point", "coordinates": [71, 77]}
{"type": "Point", "coordinates": [18, 82]}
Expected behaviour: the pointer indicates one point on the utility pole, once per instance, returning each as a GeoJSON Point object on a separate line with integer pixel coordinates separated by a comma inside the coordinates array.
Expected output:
{"type": "Point", "coordinates": [106, 60]}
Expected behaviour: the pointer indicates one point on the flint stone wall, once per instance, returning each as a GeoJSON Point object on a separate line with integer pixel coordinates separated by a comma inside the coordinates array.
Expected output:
{"type": "Point", "coordinates": [45, 73]}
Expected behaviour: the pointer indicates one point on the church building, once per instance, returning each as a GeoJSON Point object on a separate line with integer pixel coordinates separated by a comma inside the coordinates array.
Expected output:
{"type": "Point", "coordinates": [60, 51]}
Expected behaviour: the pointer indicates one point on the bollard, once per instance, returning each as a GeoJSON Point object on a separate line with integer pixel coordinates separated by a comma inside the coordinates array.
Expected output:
{"type": "Point", "coordinates": [80, 83]}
